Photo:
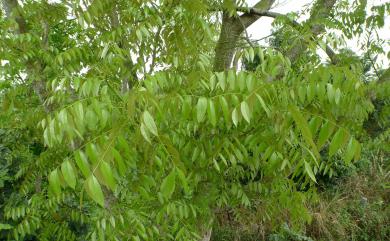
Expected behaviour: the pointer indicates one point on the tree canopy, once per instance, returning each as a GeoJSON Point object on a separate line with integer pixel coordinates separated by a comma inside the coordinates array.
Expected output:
{"type": "Point", "coordinates": [140, 120]}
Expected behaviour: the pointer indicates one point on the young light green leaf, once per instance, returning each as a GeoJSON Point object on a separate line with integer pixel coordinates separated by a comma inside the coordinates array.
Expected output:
{"type": "Point", "coordinates": [94, 190]}
{"type": "Point", "coordinates": [68, 174]}
{"type": "Point", "coordinates": [92, 153]}
{"type": "Point", "coordinates": [5, 226]}
{"type": "Point", "coordinates": [211, 113]}
{"type": "Point", "coordinates": [337, 142]}
{"type": "Point", "coordinates": [201, 109]}
{"type": "Point", "coordinates": [302, 94]}
{"type": "Point", "coordinates": [309, 171]}
{"type": "Point", "coordinates": [183, 179]}
{"type": "Point", "coordinates": [314, 125]}
{"type": "Point", "coordinates": [139, 34]}
{"type": "Point", "coordinates": [251, 53]}
{"type": "Point", "coordinates": [54, 182]}
{"type": "Point", "coordinates": [326, 131]}
{"type": "Point", "coordinates": [216, 165]}
{"type": "Point", "coordinates": [337, 96]}
{"type": "Point", "coordinates": [330, 92]}
{"type": "Point", "coordinates": [168, 184]}
{"type": "Point", "coordinates": [82, 163]}
{"type": "Point", "coordinates": [221, 80]}
{"type": "Point", "coordinates": [357, 151]}
{"type": "Point", "coordinates": [321, 91]}
{"type": "Point", "coordinates": [104, 52]}
{"type": "Point", "coordinates": [352, 147]}
{"type": "Point", "coordinates": [149, 123]}
{"type": "Point", "coordinates": [235, 116]}
{"type": "Point", "coordinates": [250, 83]}
{"type": "Point", "coordinates": [107, 175]}
{"type": "Point", "coordinates": [304, 128]}
{"type": "Point", "coordinates": [119, 160]}
{"type": "Point", "coordinates": [144, 133]}
{"type": "Point", "coordinates": [263, 105]}
{"type": "Point", "coordinates": [225, 108]}
{"type": "Point", "coordinates": [245, 111]}
{"type": "Point", "coordinates": [310, 92]}
{"type": "Point", "coordinates": [231, 77]}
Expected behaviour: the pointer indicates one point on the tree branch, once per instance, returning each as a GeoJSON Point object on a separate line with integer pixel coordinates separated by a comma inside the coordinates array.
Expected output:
{"type": "Point", "coordinates": [12, 7]}
{"type": "Point", "coordinates": [232, 28]}
{"type": "Point", "coordinates": [295, 50]}
{"type": "Point", "coordinates": [12, 10]}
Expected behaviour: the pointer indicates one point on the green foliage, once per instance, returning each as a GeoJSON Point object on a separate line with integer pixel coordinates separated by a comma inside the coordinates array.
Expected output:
{"type": "Point", "coordinates": [115, 126]}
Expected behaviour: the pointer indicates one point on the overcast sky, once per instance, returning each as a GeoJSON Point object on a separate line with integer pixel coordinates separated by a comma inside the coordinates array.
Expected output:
{"type": "Point", "coordinates": [262, 27]}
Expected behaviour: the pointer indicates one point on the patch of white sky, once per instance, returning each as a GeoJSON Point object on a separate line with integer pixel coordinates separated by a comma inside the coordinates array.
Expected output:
{"type": "Point", "coordinates": [263, 27]}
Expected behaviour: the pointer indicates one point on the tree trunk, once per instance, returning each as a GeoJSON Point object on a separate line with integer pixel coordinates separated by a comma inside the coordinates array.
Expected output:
{"type": "Point", "coordinates": [232, 28]}
{"type": "Point", "coordinates": [11, 8]}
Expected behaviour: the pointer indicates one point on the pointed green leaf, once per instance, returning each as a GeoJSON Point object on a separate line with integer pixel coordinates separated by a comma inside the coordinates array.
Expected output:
{"type": "Point", "coordinates": [310, 92]}
{"type": "Point", "coordinates": [251, 53]}
{"type": "Point", "coordinates": [330, 92]}
{"type": "Point", "coordinates": [250, 83]}
{"type": "Point", "coordinates": [168, 184]}
{"type": "Point", "coordinates": [119, 160]}
{"type": "Point", "coordinates": [5, 226]}
{"type": "Point", "coordinates": [352, 148]}
{"type": "Point", "coordinates": [144, 133]}
{"type": "Point", "coordinates": [149, 123]}
{"type": "Point", "coordinates": [304, 128]}
{"type": "Point", "coordinates": [104, 52]}
{"type": "Point", "coordinates": [337, 142]}
{"type": "Point", "coordinates": [201, 109]}
{"type": "Point", "coordinates": [183, 180]}
{"type": "Point", "coordinates": [357, 151]}
{"type": "Point", "coordinates": [337, 96]}
{"type": "Point", "coordinates": [245, 111]}
{"type": "Point", "coordinates": [82, 163]}
{"type": "Point", "coordinates": [54, 182]}
{"type": "Point", "coordinates": [211, 113]}
{"type": "Point", "coordinates": [262, 103]}
{"type": "Point", "coordinates": [221, 80]}
{"type": "Point", "coordinates": [92, 153]}
{"type": "Point", "coordinates": [216, 165]}
{"type": "Point", "coordinates": [68, 174]}
{"type": "Point", "coordinates": [94, 190]}
{"type": "Point", "coordinates": [225, 108]}
{"type": "Point", "coordinates": [325, 133]}
{"type": "Point", "coordinates": [321, 91]}
{"type": "Point", "coordinates": [235, 116]}
{"type": "Point", "coordinates": [302, 94]}
{"type": "Point", "coordinates": [107, 175]}
{"type": "Point", "coordinates": [314, 125]}
{"type": "Point", "coordinates": [139, 34]}
{"type": "Point", "coordinates": [309, 171]}
{"type": "Point", "coordinates": [186, 107]}
{"type": "Point", "coordinates": [231, 79]}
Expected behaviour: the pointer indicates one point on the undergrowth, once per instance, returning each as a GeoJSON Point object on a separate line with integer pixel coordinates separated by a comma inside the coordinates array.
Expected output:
{"type": "Point", "coordinates": [353, 205]}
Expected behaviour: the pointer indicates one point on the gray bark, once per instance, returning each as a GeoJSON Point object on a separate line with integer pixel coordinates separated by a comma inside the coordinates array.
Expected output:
{"type": "Point", "coordinates": [11, 9]}
{"type": "Point", "coordinates": [232, 28]}
{"type": "Point", "coordinates": [129, 79]}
